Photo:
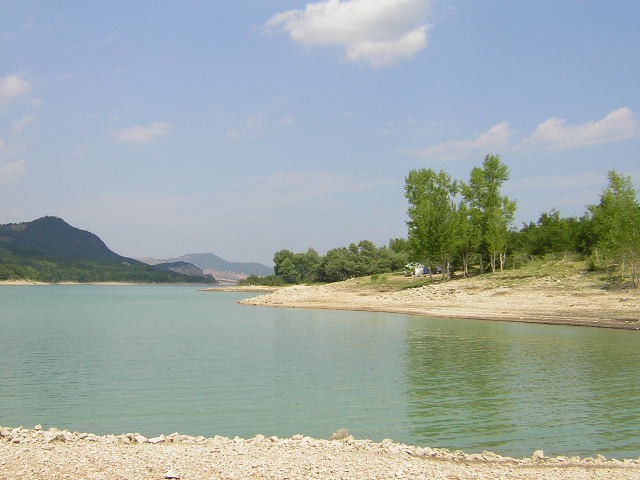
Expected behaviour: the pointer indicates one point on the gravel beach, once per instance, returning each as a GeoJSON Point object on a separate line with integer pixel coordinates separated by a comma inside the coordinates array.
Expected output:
{"type": "Point", "coordinates": [56, 454]}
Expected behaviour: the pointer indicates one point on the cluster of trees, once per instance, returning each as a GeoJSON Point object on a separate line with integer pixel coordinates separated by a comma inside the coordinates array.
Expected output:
{"type": "Point", "coordinates": [36, 268]}
{"type": "Point", "coordinates": [450, 219]}
{"type": "Point", "coordinates": [455, 224]}
{"type": "Point", "coordinates": [615, 223]}
{"type": "Point", "coordinates": [338, 264]}
{"type": "Point", "coordinates": [460, 226]}
{"type": "Point", "coordinates": [609, 232]}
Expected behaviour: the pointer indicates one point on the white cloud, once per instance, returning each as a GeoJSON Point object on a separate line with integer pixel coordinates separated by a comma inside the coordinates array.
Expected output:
{"type": "Point", "coordinates": [142, 133]}
{"type": "Point", "coordinates": [493, 140]}
{"type": "Point", "coordinates": [12, 171]}
{"type": "Point", "coordinates": [557, 134]}
{"type": "Point", "coordinates": [374, 32]}
{"type": "Point", "coordinates": [551, 135]}
{"type": "Point", "coordinates": [22, 124]}
{"type": "Point", "coordinates": [12, 87]}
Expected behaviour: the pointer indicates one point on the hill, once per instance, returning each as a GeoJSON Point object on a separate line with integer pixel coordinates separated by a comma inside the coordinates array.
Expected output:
{"type": "Point", "coordinates": [49, 249]}
{"type": "Point", "coordinates": [52, 237]}
{"type": "Point", "coordinates": [209, 262]}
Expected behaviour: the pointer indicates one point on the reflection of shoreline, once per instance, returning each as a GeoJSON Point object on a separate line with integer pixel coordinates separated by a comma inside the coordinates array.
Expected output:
{"type": "Point", "coordinates": [54, 453]}
{"type": "Point", "coordinates": [543, 302]}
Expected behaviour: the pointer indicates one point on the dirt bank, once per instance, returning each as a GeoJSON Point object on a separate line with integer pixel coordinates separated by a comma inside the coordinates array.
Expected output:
{"type": "Point", "coordinates": [568, 298]}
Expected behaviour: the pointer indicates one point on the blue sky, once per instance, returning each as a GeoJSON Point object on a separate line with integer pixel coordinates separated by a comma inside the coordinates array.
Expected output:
{"type": "Point", "coordinates": [242, 127]}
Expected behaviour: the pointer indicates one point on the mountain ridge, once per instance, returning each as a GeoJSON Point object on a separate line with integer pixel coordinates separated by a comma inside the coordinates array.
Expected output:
{"type": "Point", "coordinates": [210, 262]}
{"type": "Point", "coordinates": [49, 249]}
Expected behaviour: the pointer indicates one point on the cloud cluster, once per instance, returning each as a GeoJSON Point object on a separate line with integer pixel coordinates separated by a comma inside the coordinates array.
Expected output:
{"type": "Point", "coordinates": [12, 87]}
{"type": "Point", "coordinates": [377, 33]}
{"type": "Point", "coordinates": [142, 133]}
{"type": "Point", "coordinates": [493, 140]}
{"type": "Point", "coordinates": [12, 168]}
{"type": "Point", "coordinates": [552, 135]}
{"type": "Point", "coordinates": [557, 134]}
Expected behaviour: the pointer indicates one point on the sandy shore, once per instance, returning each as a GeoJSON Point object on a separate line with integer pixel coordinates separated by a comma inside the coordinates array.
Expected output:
{"type": "Point", "coordinates": [566, 300]}
{"type": "Point", "coordinates": [55, 454]}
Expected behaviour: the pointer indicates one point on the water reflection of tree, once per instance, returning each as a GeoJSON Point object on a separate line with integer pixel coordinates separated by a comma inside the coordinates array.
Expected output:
{"type": "Point", "coordinates": [516, 387]}
{"type": "Point", "coordinates": [455, 396]}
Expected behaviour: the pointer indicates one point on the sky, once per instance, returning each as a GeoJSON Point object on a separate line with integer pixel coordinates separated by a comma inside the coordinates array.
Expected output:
{"type": "Point", "coordinates": [243, 127]}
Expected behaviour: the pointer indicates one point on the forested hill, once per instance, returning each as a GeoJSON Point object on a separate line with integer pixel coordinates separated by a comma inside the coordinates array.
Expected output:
{"type": "Point", "coordinates": [52, 237]}
{"type": "Point", "coordinates": [50, 250]}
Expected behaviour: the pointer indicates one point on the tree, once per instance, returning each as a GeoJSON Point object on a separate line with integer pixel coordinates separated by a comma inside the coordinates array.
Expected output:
{"type": "Point", "coordinates": [288, 271]}
{"type": "Point", "coordinates": [490, 211]}
{"type": "Point", "coordinates": [616, 223]}
{"type": "Point", "coordinates": [337, 265]}
{"type": "Point", "coordinates": [279, 257]}
{"type": "Point", "coordinates": [552, 234]}
{"type": "Point", "coordinates": [308, 265]}
{"type": "Point", "coordinates": [432, 220]}
{"type": "Point", "coordinates": [468, 236]}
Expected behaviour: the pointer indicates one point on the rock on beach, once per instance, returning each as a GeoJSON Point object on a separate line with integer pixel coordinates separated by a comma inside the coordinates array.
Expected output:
{"type": "Point", "coordinates": [38, 454]}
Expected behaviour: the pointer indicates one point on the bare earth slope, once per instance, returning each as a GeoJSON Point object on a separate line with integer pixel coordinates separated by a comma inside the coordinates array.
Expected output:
{"type": "Point", "coordinates": [569, 296]}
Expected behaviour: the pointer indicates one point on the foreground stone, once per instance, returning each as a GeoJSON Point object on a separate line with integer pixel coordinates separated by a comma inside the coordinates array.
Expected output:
{"type": "Point", "coordinates": [57, 454]}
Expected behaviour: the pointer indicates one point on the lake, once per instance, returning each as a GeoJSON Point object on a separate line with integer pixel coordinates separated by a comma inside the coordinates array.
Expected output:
{"type": "Point", "coordinates": [161, 359]}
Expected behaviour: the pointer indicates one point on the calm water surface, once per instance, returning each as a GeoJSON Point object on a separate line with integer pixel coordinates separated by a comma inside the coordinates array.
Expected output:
{"type": "Point", "coordinates": [159, 359]}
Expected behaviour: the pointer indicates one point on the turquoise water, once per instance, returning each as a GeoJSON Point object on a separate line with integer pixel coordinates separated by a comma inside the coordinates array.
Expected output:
{"type": "Point", "coordinates": [159, 359]}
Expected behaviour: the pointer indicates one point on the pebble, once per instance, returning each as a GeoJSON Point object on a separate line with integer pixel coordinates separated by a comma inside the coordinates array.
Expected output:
{"type": "Point", "coordinates": [38, 453]}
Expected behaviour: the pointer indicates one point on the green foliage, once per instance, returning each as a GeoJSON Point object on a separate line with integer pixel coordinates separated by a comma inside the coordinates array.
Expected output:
{"type": "Point", "coordinates": [338, 264]}
{"type": "Point", "coordinates": [443, 226]}
{"type": "Point", "coordinates": [40, 269]}
{"type": "Point", "coordinates": [432, 217]}
{"type": "Point", "coordinates": [491, 212]}
{"type": "Point", "coordinates": [616, 225]}
{"type": "Point", "coordinates": [554, 234]}
{"type": "Point", "coordinates": [50, 250]}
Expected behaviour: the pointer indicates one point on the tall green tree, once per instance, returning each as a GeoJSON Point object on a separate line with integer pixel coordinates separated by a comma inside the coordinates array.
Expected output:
{"type": "Point", "coordinates": [616, 223]}
{"type": "Point", "coordinates": [468, 236]}
{"type": "Point", "coordinates": [279, 257]}
{"type": "Point", "coordinates": [491, 211]}
{"type": "Point", "coordinates": [432, 217]}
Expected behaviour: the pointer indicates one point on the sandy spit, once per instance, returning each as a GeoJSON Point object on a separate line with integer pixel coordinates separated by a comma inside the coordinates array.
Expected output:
{"type": "Point", "coordinates": [56, 454]}
{"type": "Point", "coordinates": [543, 300]}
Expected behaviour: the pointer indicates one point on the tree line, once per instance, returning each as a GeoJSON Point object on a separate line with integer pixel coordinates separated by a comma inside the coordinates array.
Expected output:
{"type": "Point", "coordinates": [355, 260]}
{"type": "Point", "coordinates": [457, 224]}
{"type": "Point", "coordinates": [467, 227]}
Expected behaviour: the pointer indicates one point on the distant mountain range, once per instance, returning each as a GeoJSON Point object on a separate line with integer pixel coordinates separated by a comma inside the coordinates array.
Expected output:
{"type": "Point", "coordinates": [217, 266]}
{"type": "Point", "coordinates": [49, 249]}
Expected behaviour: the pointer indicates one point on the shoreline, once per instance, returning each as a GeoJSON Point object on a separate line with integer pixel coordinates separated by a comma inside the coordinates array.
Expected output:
{"type": "Point", "coordinates": [542, 300]}
{"type": "Point", "coordinates": [28, 283]}
{"type": "Point", "coordinates": [53, 453]}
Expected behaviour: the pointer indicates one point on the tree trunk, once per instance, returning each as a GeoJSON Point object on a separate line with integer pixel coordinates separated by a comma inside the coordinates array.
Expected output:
{"type": "Point", "coordinates": [465, 265]}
